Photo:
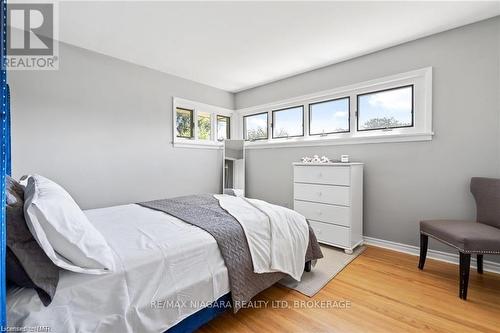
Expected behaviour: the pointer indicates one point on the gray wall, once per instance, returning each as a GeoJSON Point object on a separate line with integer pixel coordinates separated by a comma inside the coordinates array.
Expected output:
{"type": "Point", "coordinates": [405, 182]}
{"type": "Point", "coordinates": [102, 128]}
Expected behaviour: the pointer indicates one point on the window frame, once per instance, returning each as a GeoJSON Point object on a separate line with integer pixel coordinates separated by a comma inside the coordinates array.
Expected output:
{"type": "Point", "coordinates": [228, 127]}
{"type": "Point", "coordinates": [198, 107]}
{"type": "Point", "coordinates": [384, 90]}
{"type": "Point", "coordinates": [332, 100]}
{"type": "Point", "coordinates": [245, 126]}
{"type": "Point", "coordinates": [421, 129]}
{"type": "Point", "coordinates": [284, 109]}
{"type": "Point", "coordinates": [192, 123]}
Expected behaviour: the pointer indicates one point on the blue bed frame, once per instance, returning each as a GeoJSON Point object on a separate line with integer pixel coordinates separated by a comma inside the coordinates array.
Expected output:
{"type": "Point", "coordinates": [197, 319]}
{"type": "Point", "coordinates": [4, 158]}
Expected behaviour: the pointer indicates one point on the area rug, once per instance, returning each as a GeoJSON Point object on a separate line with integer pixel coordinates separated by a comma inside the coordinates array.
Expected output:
{"type": "Point", "coordinates": [334, 261]}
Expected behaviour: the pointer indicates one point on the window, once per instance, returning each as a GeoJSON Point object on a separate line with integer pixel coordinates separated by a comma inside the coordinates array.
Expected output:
{"type": "Point", "coordinates": [204, 125]}
{"type": "Point", "coordinates": [184, 123]}
{"type": "Point", "coordinates": [395, 108]}
{"type": "Point", "coordinates": [199, 125]}
{"type": "Point", "coordinates": [385, 109]}
{"type": "Point", "coordinates": [288, 122]}
{"type": "Point", "coordinates": [329, 116]}
{"type": "Point", "coordinates": [255, 126]}
{"type": "Point", "coordinates": [223, 127]}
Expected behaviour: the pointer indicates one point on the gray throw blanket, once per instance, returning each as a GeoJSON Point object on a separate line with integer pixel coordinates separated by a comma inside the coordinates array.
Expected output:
{"type": "Point", "coordinates": [205, 212]}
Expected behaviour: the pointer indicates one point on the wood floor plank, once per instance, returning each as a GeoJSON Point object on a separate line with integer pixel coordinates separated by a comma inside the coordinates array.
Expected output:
{"type": "Point", "coordinates": [387, 293]}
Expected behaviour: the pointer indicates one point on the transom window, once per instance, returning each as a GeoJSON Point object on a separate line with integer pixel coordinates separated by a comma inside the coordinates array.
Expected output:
{"type": "Point", "coordinates": [389, 109]}
{"type": "Point", "coordinates": [200, 125]}
{"type": "Point", "coordinates": [329, 116]}
{"type": "Point", "coordinates": [385, 109]}
{"type": "Point", "coordinates": [255, 127]}
{"type": "Point", "coordinates": [288, 122]}
{"type": "Point", "coordinates": [396, 108]}
{"type": "Point", "coordinates": [184, 123]}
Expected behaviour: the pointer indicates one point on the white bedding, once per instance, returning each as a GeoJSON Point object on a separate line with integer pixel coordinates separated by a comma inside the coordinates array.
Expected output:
{"type": "Point", "coordinates": [158, 258]}
{"type": "Point", "coordinates": [277, 236]}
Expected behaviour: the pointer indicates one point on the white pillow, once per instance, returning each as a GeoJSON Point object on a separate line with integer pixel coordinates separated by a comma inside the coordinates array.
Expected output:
{"type": "Point", "coordinates": [62, 229]}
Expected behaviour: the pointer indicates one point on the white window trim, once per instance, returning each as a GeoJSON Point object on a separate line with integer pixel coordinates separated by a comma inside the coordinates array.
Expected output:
{"type": "Point", "coordinates": [200, 107]}
{"type": "Point", "coordinates": [421, 79]}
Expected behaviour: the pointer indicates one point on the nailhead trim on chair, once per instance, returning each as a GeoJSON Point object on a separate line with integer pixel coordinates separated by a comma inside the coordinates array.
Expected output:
{"type": "Point", "coordinates": [459, 249]}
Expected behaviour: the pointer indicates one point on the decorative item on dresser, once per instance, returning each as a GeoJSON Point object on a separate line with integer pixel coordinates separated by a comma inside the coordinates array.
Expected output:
{"type": "Point", "coordinates": [330, 196]}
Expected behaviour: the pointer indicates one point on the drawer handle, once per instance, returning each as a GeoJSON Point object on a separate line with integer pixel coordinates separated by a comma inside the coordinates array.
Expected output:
{"type": "Point", "coordinates": [320, 193]}
{"type": "Point", "coordinates": [320, 175]}
{"type": "Point", "coordinates": [320, 213]}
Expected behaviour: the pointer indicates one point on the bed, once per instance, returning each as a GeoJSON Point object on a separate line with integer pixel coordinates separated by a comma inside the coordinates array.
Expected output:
{"type": "Point", "coordinates": [161, 259]}
{"type": "Point", "coordinates": [168, 274]}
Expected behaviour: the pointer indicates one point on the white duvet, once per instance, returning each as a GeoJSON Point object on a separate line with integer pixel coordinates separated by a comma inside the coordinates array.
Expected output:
{"type": "Point", "coordinates": [277, 236]}
{"type": "Point", "coordinates": [166, 270]}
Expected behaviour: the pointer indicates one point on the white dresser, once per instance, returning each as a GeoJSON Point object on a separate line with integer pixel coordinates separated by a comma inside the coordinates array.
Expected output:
{"type": "Point", "coordinates": [330, 196]}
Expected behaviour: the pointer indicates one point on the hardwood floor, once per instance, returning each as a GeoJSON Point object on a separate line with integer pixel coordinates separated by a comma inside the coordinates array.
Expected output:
{"type": "Point", "coordinates": [387, 293]}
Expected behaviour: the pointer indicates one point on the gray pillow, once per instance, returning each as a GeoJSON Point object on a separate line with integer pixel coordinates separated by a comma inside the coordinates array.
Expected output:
{"type": "Point", "coordinates": [27, 265]}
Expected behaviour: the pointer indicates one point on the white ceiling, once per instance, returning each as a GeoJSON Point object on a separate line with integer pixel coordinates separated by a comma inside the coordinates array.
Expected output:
{"type": "Point", "coordinates": [239, 45]}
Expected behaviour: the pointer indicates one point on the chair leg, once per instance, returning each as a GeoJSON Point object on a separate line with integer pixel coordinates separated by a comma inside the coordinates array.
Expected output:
{"type": "Point", "coordinates": [424, 241]}
{"type": "Point", "coordinates": [464, 274]}
{"type": "Point", "coordinates": [480, 263]}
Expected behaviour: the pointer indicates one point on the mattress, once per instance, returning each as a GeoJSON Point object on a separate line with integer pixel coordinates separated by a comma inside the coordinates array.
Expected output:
{"type": "Point", "coordinates": [166, 271]}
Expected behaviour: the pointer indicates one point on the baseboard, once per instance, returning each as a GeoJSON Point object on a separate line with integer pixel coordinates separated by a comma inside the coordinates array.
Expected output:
{"type": "Point", "coordinates": [489, 266]}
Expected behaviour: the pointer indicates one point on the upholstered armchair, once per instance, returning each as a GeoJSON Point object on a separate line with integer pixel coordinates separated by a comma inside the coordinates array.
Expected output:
{"type": "Point", "coordinates": [469, 237]}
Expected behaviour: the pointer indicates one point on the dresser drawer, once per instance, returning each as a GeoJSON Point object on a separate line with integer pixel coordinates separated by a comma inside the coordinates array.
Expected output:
{"type": "Point", "coordinates": [323, 212]}
{"type": "Point", "coordinates": [331, 234]}
{"type": "Point", "coordinates": [337, 195]}
{"type": "Point", "coordinates": [322, 175]}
